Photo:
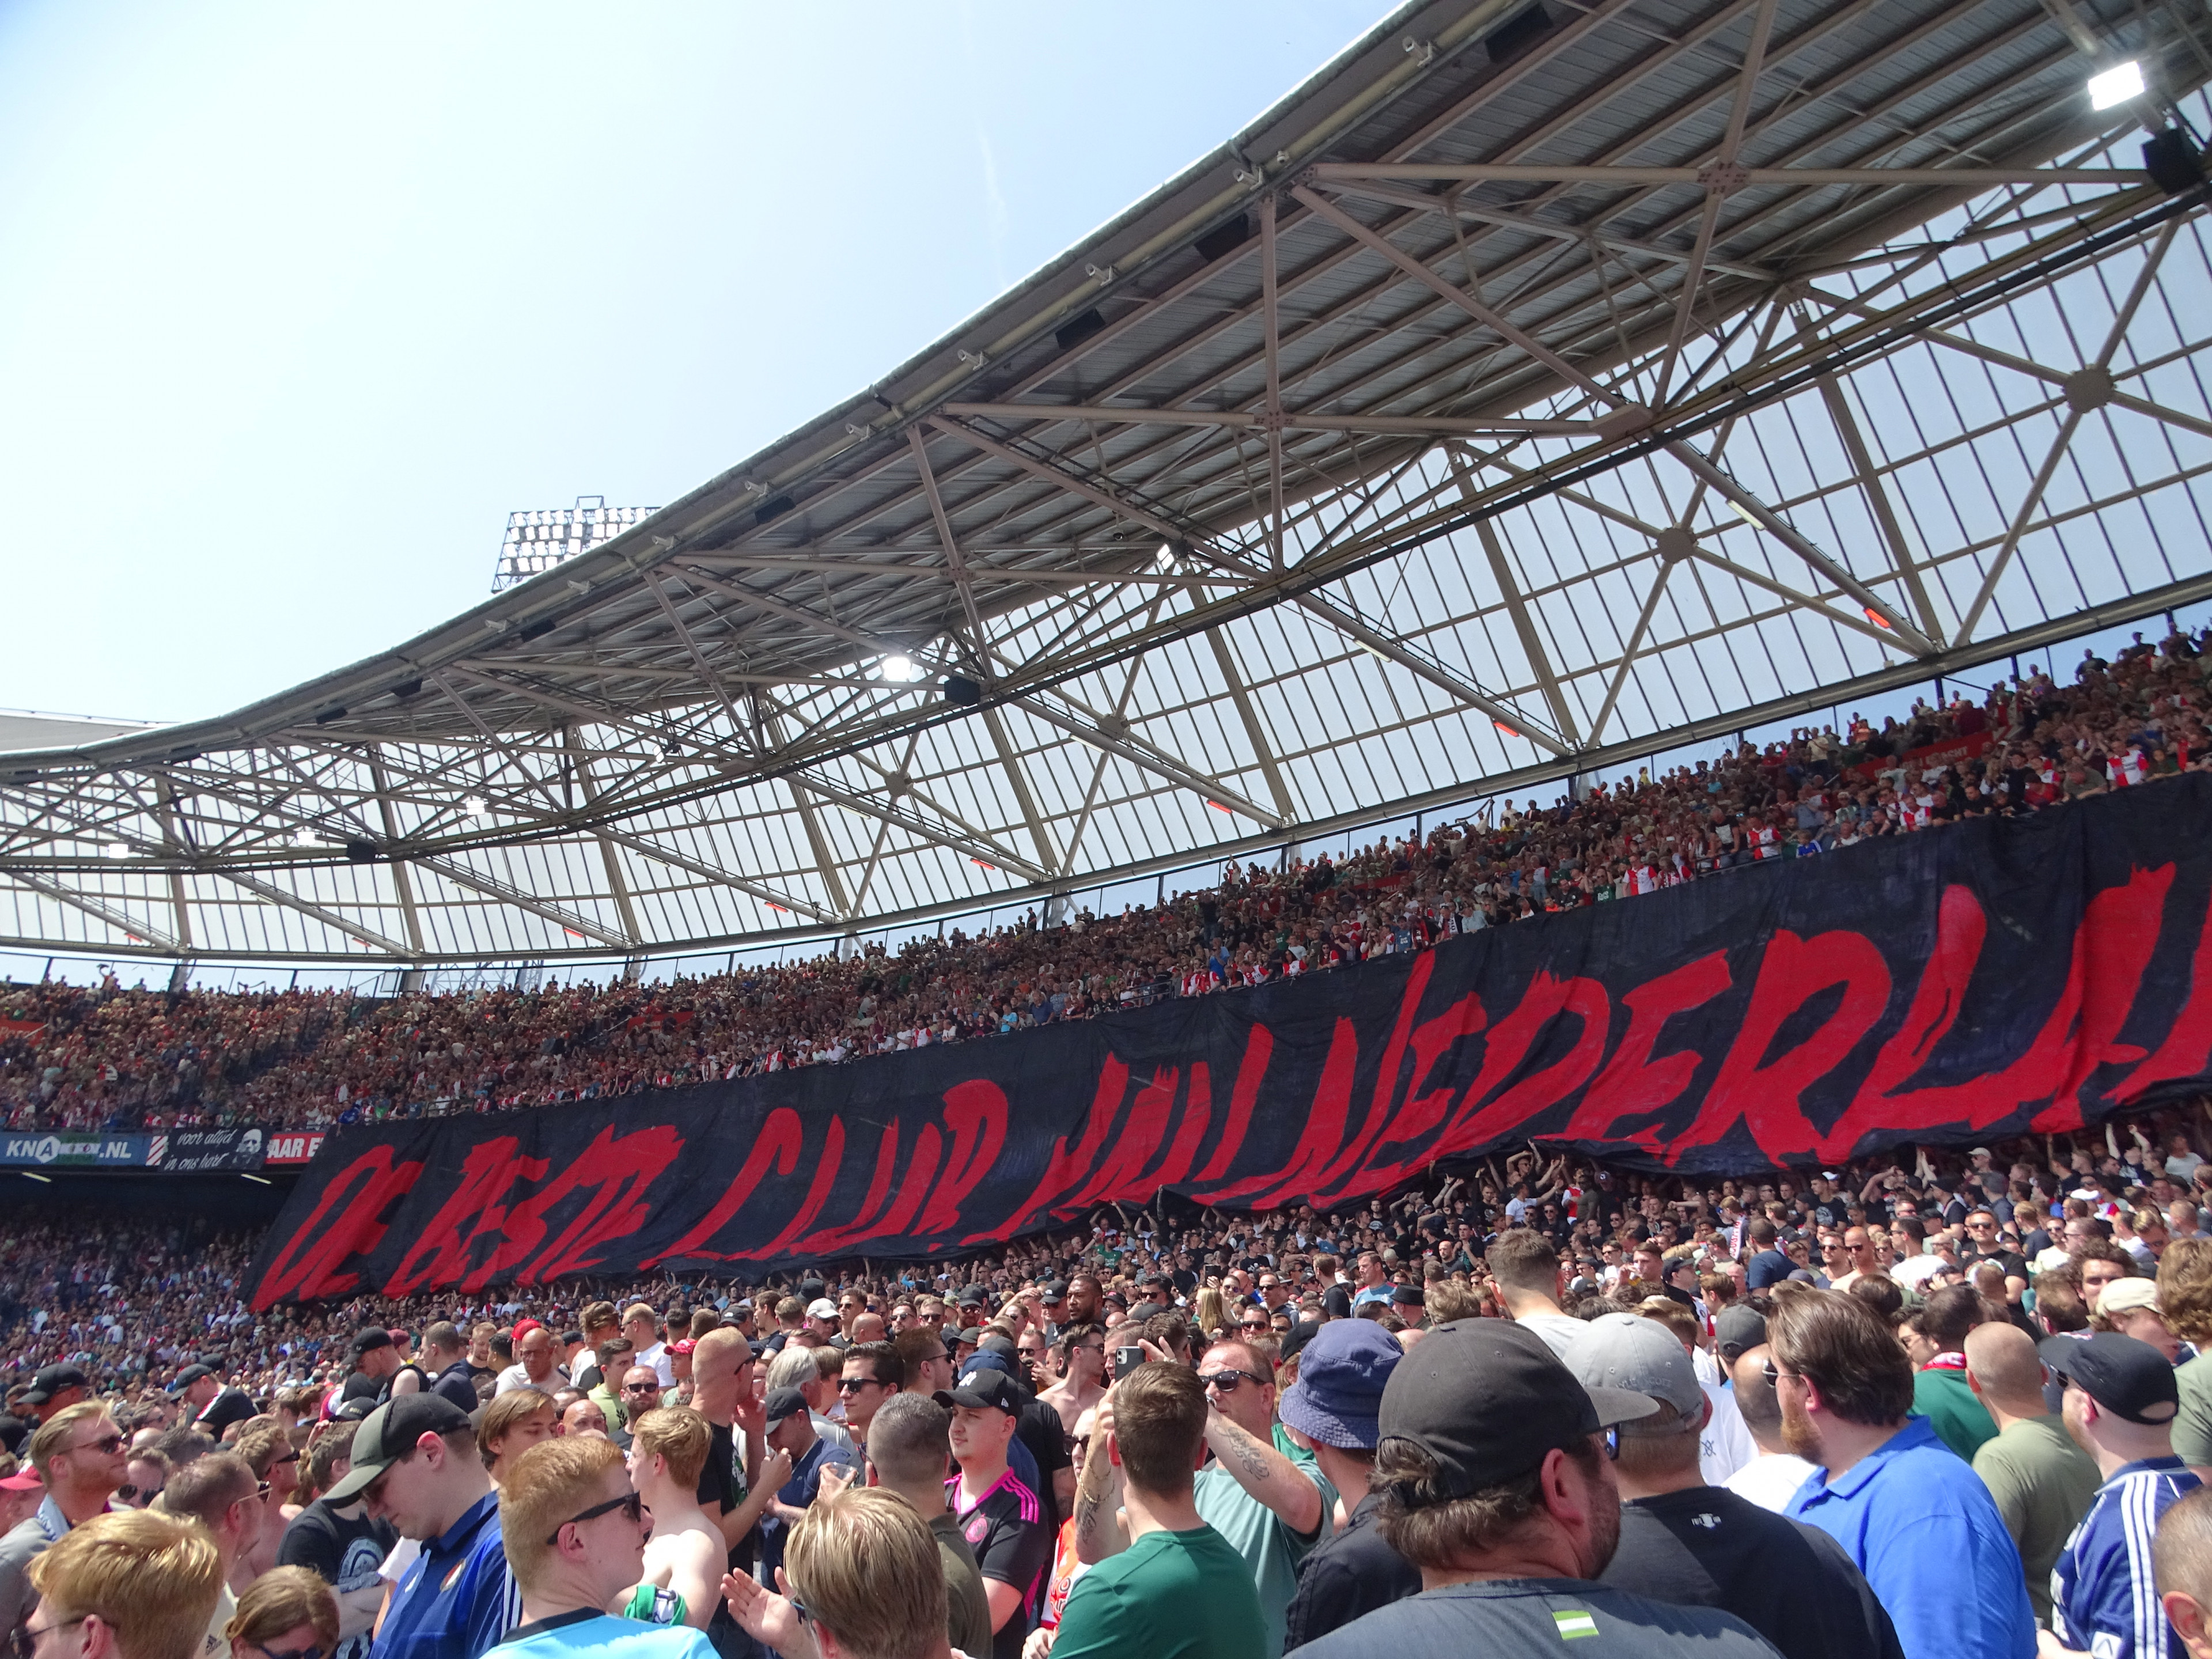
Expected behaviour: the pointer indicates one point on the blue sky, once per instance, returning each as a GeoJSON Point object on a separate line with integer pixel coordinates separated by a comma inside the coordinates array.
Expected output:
{"type": "Point", "coordinates": [298, 301]}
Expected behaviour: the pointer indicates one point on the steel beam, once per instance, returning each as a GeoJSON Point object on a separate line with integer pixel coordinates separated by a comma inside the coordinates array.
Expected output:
{"type": "Point", "coordinates": [1286, 809]}
{"type": "Point", "coordinates": [328, 917]}
{"type": "Point", "coordinates": [545, 909]}
{"type": "Point", "coordinates": [122, 920]}
{"type": "Point", "coordinates": [1969, 179]}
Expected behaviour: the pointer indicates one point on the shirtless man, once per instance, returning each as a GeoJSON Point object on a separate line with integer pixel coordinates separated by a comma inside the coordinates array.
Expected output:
{"type": "Point", "coordinates": [684, 1553]}
{"type": "Point", "coordinates": [1082, 1363]}
{"type": "Point", "coordinates": [269, 1452]}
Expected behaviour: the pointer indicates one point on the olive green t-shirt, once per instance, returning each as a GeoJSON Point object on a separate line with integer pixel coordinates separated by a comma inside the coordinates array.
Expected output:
{"type": "Point", "coordinates": [2192, 1430]}
{"type": "Point", "coordinates": [1168, 1595]}
{"type": "Point", "coordinates": [968, 1605]}
{"type": "Point", "coordinates": [2043, 1483]}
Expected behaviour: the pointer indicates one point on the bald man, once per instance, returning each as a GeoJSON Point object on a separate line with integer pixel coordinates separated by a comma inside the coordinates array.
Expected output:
{"type": "Point", "coordinates": [2042, 1481]}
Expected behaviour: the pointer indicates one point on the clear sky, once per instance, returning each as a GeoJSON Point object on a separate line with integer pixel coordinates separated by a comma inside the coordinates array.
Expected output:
{"type": "Point", "coordinates": [298, 301]}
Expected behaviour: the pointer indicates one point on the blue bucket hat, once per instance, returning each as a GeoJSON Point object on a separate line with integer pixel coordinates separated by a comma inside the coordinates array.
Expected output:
{"type": "Point", "coordinates": [1341, 1371]}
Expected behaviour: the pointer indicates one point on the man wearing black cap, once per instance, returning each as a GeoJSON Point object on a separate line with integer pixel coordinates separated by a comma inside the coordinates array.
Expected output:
{"type": "Point", "coordinates": [790, 1430]}
{"type": "Point", "coordinates": [375, 1363]}
{"type": "Point", "coordinates": [1497, 1484]}
{"type": "Point", "coordinates": [416, 1466]}
{"type": "Point", "coordinates": [2120, 1402]}
{"type": "Point", "coordinates": [54, 1389]}
{"type": "Point", "coordinates": [1001, 1518]}
{"type": "Point", "coordinates": [214, 1406]}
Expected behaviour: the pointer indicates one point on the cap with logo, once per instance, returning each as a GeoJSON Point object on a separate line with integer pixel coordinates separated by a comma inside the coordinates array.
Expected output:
{"type": "Point", "coordinates": [2124, 1376]}
{"type": "Point", "coordinates": [1486, 1401]}
{"type": "Point", "coordinates": [391, 1431]}
{"type": "Point", "coordinates": [983, 1385]}
{"type": "Point", "coordinates": [52, 1380]}
{"type": "Point", "coordinates": [370, 1338]}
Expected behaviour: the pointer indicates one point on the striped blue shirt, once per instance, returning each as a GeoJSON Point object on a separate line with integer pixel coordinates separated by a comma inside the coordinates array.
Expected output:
{"type": "Point", "coordinates": [2103, 1594]}
{"type": "Point", "coordinates": [457, 1600]}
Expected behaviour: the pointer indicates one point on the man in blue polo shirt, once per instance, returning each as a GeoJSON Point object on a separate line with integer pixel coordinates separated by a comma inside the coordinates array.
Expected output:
{"type": "Point", "coordinates": [1912, 1515]}
{"type": "Point", "coordinates": [2121, 1400]}
{"type": "Point", "coordinates": [415, 1464]}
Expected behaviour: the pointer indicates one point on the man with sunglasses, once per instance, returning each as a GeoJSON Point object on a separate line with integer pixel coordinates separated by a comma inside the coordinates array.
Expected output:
{"type": "Point", "coordinates": [1272, 1509]}
{"type": "Point", "coordinates": [415, 1465]}
{"type": "Point", "coordinates": [871, 1374]}
{"type": "Point", "coordinates": [79, 1453]}
{"type": "Point", "coordinates": [575, 1542]}
{"type": "Point", "coordinates": [640, 1393]}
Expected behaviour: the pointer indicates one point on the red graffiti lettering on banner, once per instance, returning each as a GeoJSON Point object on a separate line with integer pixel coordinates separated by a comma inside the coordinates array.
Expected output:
{"type": "Point", "coordinates": [1765, 1090]}
{"type": "Point", "coordinates": [2187, 1050]}
{"type": "Point", "coordinates": [1542, 1004]}
{"type": "Point", "coordinates": [307, 1266]}
{"type": "Point", "coordinates": [976, 1115]}
{"type": "Point", "coordinates": [826, 1165]}
{"type": "Point", "coordinates": [832, 1239]}
{"type": "Point", "coordinates": [2060, 1049]}
{"type": "Point", "coordinates": [1432, 1039]}
{"type": "Point", "coordinates": [2110, 964]}
{"type": "Point", "coordinates": [1259, 1048]}
{"type": "Point", "coordinates": [1323, 1135]}
{"type": "Point", "coordinates": [1119, 1175]}
{"type": "Point", "coordinates": [1633, 1084]}
{"type": "Point", "coordinates": [777, 1146]}
{"type": "Point", "coordinates": [619, 1171]}
{"type": "Point", "coordinates": [441, 1256]}
{"type": "Point", "coordinates": [1064, 1169]}
{"type": "Point", "coordinates": [1190, 1130]}
{"type": "Point", "coordinates": [1381, 1101]}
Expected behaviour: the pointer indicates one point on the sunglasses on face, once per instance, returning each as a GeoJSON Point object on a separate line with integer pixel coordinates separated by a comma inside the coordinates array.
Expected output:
{"type": "Point", "coordinates": [1228, 1381]}
{"type": "Point", "coordinates": [132, 1492]}
{"type": "Point", "coordinates": [631, 1505]}
{"type": "Point", "coordinates": [854, 1384]}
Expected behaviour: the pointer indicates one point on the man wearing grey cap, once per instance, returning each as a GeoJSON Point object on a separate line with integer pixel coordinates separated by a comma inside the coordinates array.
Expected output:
{"type": "Point", "coordinates": [1684, 1541]}
{"type": "Point", "coordinates": [1497, 1476]}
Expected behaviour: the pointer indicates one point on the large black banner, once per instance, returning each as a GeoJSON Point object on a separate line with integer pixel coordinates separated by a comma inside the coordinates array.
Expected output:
{"type": "Point", "coordinates": [1981, 980]}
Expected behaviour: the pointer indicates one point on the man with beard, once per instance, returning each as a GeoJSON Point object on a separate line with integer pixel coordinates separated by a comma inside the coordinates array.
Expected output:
{"type": "Point", "coordinates": [1913, 1518]}
{"type": "Point", "coordinates": [1492, 1463]}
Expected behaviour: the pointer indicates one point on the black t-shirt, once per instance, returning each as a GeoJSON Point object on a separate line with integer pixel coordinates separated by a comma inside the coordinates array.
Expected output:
{"type": "Point", "coordinates": [1014, 1546]}
{"type": "Point", "coordinates": [1572, 1618]}
{"type": "Point", "coordinates": [361, 1386]}
{"type": "Point", "coordinates": [721, 1489]}
{"type": "Point", "coordinates": [1790, 1582]}
{"type": "Point", "coordinates": [344, 1549]}
{"type": "Point", "coordinates": [454, 1384]}
{"type": "Point", "coordinates": [1354, 1573]}
{"type": "Point", "coordinates": [226, 1408]}
{"type": "Point", "coordinates": [1040, 1429]}
{"type": "Point", "coordinates": [1832, 1211]}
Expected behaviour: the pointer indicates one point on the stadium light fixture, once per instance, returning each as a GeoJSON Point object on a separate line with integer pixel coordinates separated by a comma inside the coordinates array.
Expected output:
{"type": "Point", "coordinates": [2115, 85]}
{"type": "Point", "coordinates": [476, 807]}
{"type": "Point", "coordinates": [115, 849]}
{"type": "Point", "coordinates": [898, 669]}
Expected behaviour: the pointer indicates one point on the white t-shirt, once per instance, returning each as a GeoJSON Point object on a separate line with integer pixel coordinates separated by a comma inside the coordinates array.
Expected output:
{"type": "Point", "coordinates": [661, 1361]}
{"type": "Point", "coordinates": [1560, 1332]}
{"type": "Point", "coordinates": [1769, 1480]}
{"type": "Point", "coordinates": [1726, 1445]}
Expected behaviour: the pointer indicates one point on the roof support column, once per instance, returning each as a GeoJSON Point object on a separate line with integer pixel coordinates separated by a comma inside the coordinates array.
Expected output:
{"type": "Point", "coordinates": [1278, 787]}
{"type": "Point", "coordinates": [401, 884]}
{"type": "Point", "coordinates": [617, 887]}
{"type": "Point", "coordinates": [1517, 607]}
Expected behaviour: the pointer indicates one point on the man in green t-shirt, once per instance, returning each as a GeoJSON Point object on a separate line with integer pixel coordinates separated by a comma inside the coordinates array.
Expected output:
{"type": "Point", "coordinates": [2042, 1481]}
{"type": "Point", "coordinates": [1178, 1590]}
{"type": "Point", "coordinates": [1939, 1390]}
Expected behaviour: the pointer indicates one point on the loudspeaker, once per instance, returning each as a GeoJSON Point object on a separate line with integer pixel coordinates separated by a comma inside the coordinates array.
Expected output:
{"type": "Point", "coordinates": [2172, 161]}
{"type": "Point", "coordinates": [962, 691]}
{"type": "Point", "coordinates": [362, 852]}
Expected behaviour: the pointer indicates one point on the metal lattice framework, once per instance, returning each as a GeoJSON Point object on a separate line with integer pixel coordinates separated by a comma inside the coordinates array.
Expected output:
{"type": "Point", "coordinates": [1538, 387]}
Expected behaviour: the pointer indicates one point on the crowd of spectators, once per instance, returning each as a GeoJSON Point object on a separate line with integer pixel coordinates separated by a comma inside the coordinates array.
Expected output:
{"type": "Point", "coordinates": [106, 1057]}
{"type": "Point", "coordinates": [1931, 1405]}
{"type": "Point", "coordinates": [1854, 1349]}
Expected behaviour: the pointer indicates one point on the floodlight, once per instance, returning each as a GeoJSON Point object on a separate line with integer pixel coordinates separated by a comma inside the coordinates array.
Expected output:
{"type": "Point", "coordinates": [1165, 560]}
{"type": "Point", "coordinates": [2115, 85]}
{"type": "Point", "coordinates": [476, 807]}
{"type": "Point", "coordinates": [116, 849]}
{"type": "Point", "coordinates": [899, 669]}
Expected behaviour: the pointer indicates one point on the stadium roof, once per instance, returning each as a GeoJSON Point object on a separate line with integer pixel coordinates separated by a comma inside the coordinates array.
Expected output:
{"type": "Point", "coordinates": [1538, 386]}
